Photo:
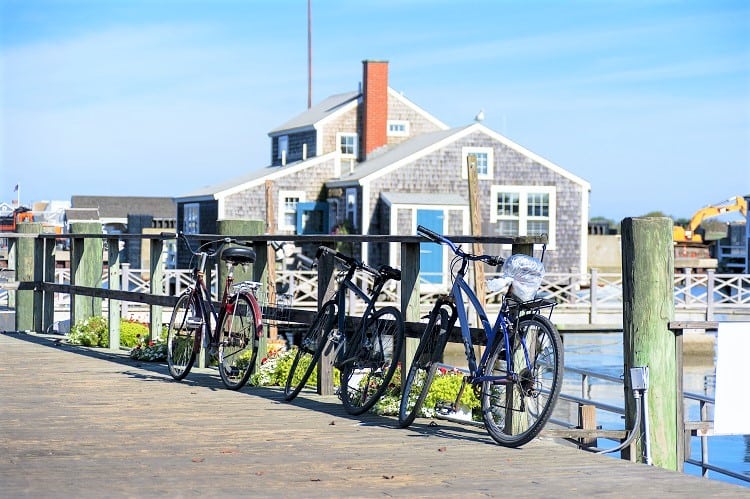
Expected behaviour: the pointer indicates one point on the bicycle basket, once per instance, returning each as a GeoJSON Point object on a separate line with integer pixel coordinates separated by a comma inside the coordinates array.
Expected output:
{"type": "Point", "coordinates": [527, 273]}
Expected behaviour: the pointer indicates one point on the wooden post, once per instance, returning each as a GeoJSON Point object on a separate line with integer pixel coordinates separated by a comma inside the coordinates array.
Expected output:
{"type": "Point", "coordinates": [476, 229]}
{"type": "Point", "coordinates": [256, 272]}
{"type": "Point", "coordinates": [587, 421]}
{"type": "Point", "coordinates": [648, 307]}
{"type": "Point", "coordinates": [260, 274]}
{"type": "Point", "coordinates": [48, 275]}
{"type": "Point", "coordinates": [325, 282]}
{"type": "Point", "coordinates": [85, 270]}
{"type": "Point", "coordinates": [409, 300]}
{"type": "Point", "coordinates": [28, 268]}
{"type": "Point", "coordinates": [271, 253]}
{"type": "Point", "coordinates": [114, 276]}
{"type": "Point", "coordinates": [157, 287]}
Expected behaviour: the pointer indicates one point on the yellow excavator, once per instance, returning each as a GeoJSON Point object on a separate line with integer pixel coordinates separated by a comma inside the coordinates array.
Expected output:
{"type": "Point", "coordinates": [688, 235]}
{"type": "Point", "coordinates": [690, 249]}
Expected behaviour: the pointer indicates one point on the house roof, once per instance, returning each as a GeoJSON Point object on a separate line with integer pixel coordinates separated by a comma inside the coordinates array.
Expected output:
{"type": "Point", "coordinates": [317, 113]}
{"type": "Point", "coordinates": [81, 214]}
{"type": "Point", "coordinates": [122, 206]}
{"type": "Point", "coordinates": [413, 198]}
{"type": "Point", "coordinates": [419, 145]}
{"type": "Point", "coordinates": [394, 157]}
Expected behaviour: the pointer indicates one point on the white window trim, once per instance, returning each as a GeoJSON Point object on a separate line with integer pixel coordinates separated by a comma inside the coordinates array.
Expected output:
{"type": "Point", "coordinates": [196, 207]}
{"type": "Point", "coordinates": [465, 151]}
{"type": "Point", "coordinates": [300, 195]}
{"type": "Point", "coordinates": [283, 146]}
{"type": "Point", "coordinates": [339, 135]}
{"type": "Point", "coordinates": [523, 192]}
{"type": "Point", "coordinates": [398, 133]}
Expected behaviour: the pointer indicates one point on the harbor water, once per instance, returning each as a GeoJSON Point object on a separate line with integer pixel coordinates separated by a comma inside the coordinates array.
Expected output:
{"type": "Point", "coordinates": [602, 353]}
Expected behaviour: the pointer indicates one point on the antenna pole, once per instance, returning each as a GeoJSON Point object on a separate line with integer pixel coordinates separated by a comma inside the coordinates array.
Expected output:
{"type": "Point", "coordinates": [309, 54]}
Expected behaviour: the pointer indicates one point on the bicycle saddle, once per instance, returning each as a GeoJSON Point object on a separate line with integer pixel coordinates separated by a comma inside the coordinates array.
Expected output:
{"type": "Point", "coordinates": [389, 272]}
{"type": "Point", "coordinates": [238, 256]}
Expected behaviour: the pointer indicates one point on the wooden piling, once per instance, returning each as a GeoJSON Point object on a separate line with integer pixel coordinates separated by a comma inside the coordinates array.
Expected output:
{"type": "Point", "coordinates": [114, 275]}
{"type": "Point", "coordinates": [86, 262]}
{"type": "Point", "coordinates": [28, 267]}
{"type": "Point", "coordinates": [648, 307]}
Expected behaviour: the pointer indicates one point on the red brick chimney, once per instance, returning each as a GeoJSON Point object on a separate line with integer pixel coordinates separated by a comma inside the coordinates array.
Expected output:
{"type": "Point", "coordinates": [375, 104]}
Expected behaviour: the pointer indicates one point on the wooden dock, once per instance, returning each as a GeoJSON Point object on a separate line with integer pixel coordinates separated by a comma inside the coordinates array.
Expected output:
{"type": "Point", "coordinates": [79, 422]}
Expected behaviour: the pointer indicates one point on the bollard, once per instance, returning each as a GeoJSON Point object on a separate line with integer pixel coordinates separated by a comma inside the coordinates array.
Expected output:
{"type": "Point", "coordinates": [648, 308]}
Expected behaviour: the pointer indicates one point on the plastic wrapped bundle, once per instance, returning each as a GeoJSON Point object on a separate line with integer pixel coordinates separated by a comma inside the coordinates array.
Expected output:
{"type": "Point", "coordinates": [525, 275]}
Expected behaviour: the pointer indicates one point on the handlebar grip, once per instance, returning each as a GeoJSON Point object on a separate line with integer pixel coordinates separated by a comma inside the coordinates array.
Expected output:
{"type": "Point", "coordinates": [168, 234]}
{"type": "Point", "coordinates": [324, 249]}
{"type": "Point", "coordinates": [424, 231]}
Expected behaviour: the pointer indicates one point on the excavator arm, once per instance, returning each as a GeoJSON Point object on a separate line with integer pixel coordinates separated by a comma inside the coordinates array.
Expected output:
{"type": "Point", "coordinates": [687, 234]}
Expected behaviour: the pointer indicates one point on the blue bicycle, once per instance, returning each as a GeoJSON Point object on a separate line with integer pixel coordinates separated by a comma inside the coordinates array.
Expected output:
{"type": "Point", "coordinates": [519, 375]}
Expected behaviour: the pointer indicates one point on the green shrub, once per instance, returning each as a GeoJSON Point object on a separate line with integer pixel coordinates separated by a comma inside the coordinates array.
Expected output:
{"type": "Point", "coordinates": [275, 366]}
{"type": "Point", "coordinates": [131, 331]}
{"type": "Point", "coordinates": [150, 351]}
{"type": "Point", "coordinates": [94, 332]}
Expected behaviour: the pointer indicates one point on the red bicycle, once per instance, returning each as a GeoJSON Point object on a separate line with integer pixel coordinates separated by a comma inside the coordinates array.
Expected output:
{"type": "Point", "coordinates": [235, 337]}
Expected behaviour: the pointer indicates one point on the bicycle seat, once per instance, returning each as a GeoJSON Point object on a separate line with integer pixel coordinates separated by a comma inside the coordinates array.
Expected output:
{"type": "Point", "coordinates": [238, 255]}
{"type": "Point", "coordinates": [389, 272]}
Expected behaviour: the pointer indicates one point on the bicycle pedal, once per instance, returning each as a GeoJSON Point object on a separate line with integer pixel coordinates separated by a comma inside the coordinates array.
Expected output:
{"type": "Point", "coordinates": [444, 408]}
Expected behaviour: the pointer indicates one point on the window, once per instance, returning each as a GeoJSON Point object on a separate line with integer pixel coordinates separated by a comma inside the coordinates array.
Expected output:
{"type": "Point", "coordinates": [351, 206]}
{"type": "Point", "coordinates": [524, 211]}
{"type": "Point", "coordinates": [485, 161]}
{"type": "Point", "coordinates": [288, 201]}
{"type": "Point", "coordinates": [398, 128]}
{"type": "Point", "coordinates": [348, 144]}
{"type": "Point", "coordinates": [191, 223]}
{"type": "Point", "coordinates": [283, 147]}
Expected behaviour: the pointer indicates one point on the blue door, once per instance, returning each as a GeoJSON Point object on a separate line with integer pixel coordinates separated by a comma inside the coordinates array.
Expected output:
{"type": "Point", "coordinates": [431, 254]}
{"type": "Point", "coordinates": [312, 218]}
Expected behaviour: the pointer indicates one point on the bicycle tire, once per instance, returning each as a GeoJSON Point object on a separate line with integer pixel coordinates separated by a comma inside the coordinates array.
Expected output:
{"type": "Point", "coordinates": [368, 373]}
{"type": "Point", "coordinates": [238, 341]}
{"type": "Point", "coordinates": [182, 335]}
{"type": "Point", "coordinates": [423, 366]}
{"type": "Point", "coordinates": [310, 350]}
{"type": "Point", "coordinates": [515, 413]}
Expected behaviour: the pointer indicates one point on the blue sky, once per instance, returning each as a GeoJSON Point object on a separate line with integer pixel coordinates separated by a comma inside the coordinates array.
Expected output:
{"type": "Point", "coordinates": [649, 101]}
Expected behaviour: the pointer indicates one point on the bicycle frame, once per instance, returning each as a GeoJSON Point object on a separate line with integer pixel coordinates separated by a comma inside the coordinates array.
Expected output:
{"type": "Point", "coordinates": [199, 290]}
{"type": "Point", "coordinates": [459, 288]}
{"type": "Point", "coordinates": [347, 284]}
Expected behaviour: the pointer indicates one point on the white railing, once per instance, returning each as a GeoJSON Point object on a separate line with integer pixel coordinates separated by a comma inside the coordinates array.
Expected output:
{"type": "Point", "coordinates": [595, 294]}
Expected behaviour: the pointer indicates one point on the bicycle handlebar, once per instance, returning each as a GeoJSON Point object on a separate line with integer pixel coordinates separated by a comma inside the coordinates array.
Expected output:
{"type": "Point", "coordinates": [440, 239]}
{"type": "Point", "coordinates": [384, 270]}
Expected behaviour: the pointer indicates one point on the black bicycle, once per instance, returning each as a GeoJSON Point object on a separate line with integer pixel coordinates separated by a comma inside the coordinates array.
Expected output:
{"type": "Point", "coordinates": [367, 353]}
{"type": "Point", "coordinates": [235, 339]}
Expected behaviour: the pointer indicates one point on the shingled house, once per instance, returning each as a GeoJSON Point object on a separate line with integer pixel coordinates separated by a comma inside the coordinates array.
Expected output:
{"type": "Point", "coordinates": [375, 161]}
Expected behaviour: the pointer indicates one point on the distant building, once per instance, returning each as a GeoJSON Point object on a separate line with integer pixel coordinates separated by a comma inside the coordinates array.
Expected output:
{"type": "Point", "coordinates": [129, 215]}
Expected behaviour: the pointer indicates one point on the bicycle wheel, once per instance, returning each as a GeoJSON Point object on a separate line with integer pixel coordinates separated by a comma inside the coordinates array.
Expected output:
{"type": "Point", "coordinates": [423, 366]}
{"type": "Point", "coordinates": [367, 373]}
{"type": "Point", "coordinates": [184, 327]}
{"type": "Point", "coordinates": [515, 413]}
{"type": "Point", "coordinates": [310, 350]}
{"type": "Point", "coordinates": [238, 343]}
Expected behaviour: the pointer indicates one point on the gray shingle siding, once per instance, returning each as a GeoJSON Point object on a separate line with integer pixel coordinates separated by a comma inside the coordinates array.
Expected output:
{"type": "Point", "coordinates": [295, 146]}
{"type": "Point", "coordinates": [251, 203]}
{"type": "Point", "coordinates": [440, 172]}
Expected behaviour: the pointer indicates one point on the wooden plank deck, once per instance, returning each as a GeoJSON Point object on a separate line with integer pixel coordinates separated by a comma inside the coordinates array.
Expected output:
{"type": "Point", "coordinates": [78, 422]}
